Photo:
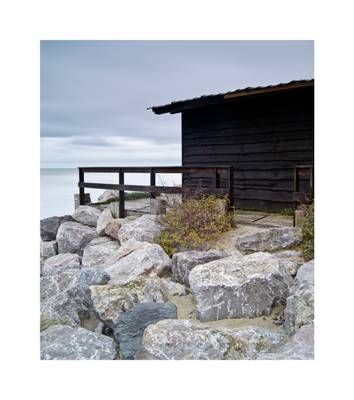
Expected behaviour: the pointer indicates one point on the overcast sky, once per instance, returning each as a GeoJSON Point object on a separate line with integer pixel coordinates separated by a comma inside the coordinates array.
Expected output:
{"type": "Point", "coordinates": [95, 94]}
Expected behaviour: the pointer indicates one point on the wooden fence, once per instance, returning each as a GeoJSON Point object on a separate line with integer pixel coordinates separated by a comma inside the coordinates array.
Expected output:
{"type": "Point", "coordinates": [215, 189]}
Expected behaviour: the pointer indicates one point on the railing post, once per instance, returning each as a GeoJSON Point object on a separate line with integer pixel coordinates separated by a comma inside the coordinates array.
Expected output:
{"type": "Point", "coordinates": [152, 182]}
{"type": "Point", "coordinates": [231, 187]}
{"type": "Point", "coordinates": [121, 196]}
{"type": "Point", "coordinates": [81, 189]}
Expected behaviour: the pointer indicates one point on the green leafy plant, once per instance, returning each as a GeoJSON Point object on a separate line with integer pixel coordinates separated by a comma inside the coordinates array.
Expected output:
{"type": "Point", "coordinates": [308, 231]}
{"type": "Point", "coordinates": [195, 223]}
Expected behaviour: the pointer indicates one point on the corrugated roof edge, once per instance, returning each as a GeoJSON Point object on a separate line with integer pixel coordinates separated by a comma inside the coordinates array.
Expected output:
{"type": "Point", "coordinates": [180, 105]}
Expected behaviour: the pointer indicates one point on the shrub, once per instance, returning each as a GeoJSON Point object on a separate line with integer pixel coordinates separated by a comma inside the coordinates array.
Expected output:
{"type": "Point", "coordinates": [308, 230]}
{"type": "Point", "coordinates": [195, 223]}
{"type": "Point", "coordinates": [287, 211]}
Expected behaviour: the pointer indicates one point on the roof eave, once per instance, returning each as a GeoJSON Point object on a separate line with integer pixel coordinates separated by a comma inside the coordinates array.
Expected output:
{"type": "Point", "coordinates": [181, 106]}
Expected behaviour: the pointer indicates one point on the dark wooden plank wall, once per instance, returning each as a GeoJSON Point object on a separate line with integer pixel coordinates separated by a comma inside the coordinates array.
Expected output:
{"type": "Point", "coordinates": [263, 138]}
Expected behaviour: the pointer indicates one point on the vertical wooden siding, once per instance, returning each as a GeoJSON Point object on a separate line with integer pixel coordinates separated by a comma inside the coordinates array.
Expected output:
{"type": "Point", "coordinates": [262, 137]}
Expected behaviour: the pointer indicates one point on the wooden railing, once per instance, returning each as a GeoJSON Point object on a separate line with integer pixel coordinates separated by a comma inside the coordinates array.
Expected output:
{"type": "Point", "coordinates": [215, 189]}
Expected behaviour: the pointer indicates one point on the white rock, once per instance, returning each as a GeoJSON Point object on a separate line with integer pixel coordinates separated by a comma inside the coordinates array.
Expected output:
{"type": "Point", "coordinates": [239, 287]}
{"type": "Point", "coordinates": [300, 347]}
{"type": "Point", "coordinates": [63, 342]}
{"type": "Point", "coordinates": [61, 262]}
{"type": "Point", "coordinates": [111, 301]}
{"type": "Point", "coordinates": [290, 260]}
{"type": "Point", "coordinates": [173, 288]}
{"type": "Point", "coordinates": [113, 227]}
{"type": "Point", "coordinates": [54, 283]}
{"type": "Point", "coordinates": [86, 215]}
{"type": "Point", "coordinates": [306, 272]}
{"type": "Point", "coordinates": [49, 249]}
{"type": "Point", "coordinates": [146, 259]}
{"type": "Point", "coordinates": [145, 229]}
{"type": "Point", "coordinates": [72, 237]}
{"type": "Point", "coordinates": [102, 221]}
{"type": "Point", "coordinates": [189, 340]}
{"type": "Point", "coordinates": [183, 262]}
{"type": "Point", "coordinates": [269, 240]}
{"type": "Point", "coordinates": [108, 194]}
{"type": "Point", "coordinates": [299, 309]}
{"type": "Point", "coordinates": [98, 251]}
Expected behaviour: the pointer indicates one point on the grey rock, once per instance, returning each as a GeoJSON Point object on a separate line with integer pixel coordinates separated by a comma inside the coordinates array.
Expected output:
{"type": "Point", "coordinates": [306, 272]}
{"type": "Point", "coordinates": [290, 260]}
{"type": "Point", "coordinates": [111, 301]}
{"type": "Point", "coordinates": [173, 289]}
{"type": "Point", "coordinates": [49, 249]}
{"type": "Point", "coordinates": [98, 251]}
{"type": "Point", "coordinates": [72, 237]}
{"type": "Point", "coordinates": [269, 240]}
{"type": "Point", "coordinates": [61, 262]}
{"type": "Point", "coordinates": [102, 221]}
{"type": "Point", "coordinates": [130, 326]}
{"type": "Point", "coordinates": [71, 305]}
{"type": "Point", "coordinates": [190, 340]}
{"type": "Point", "coordinates": [87, 215]}
{"type": "Point", "coordinates": [50, 226]}
{"type": "Point", "coordinates": [108, 194]}
{"type": "Point", "coordinates": [146, 259]}
{"type": "Point", "coordinates": [54, 283]}
{"type": "Point", "coordinates": [185, 261]}
{"type": "Point", "coordinates": [299, 347]}
{"type": "Point", "coordinates": [299, 309]}
{"type": "Point", "coordinates": [63, 342]}
{"type": "Point", "coordinates": [92, 276]}
{"type": "Point", "coordinates": [145, 229]}
{"type": "Point", "coordinates": [239, 287]}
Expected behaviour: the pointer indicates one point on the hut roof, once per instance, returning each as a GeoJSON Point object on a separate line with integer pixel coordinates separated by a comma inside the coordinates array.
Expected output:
{"type": "Point", "coordinates": [182, 105]}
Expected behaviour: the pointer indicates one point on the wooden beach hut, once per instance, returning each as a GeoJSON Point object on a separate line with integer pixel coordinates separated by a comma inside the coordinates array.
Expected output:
{"type": "Point", "coordinates": [265, 133]}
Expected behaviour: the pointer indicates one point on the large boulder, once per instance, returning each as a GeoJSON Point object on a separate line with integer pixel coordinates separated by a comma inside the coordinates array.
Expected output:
{"type": "Point", "coordinates": [290, 260]}
{"type": "Point", "coordinates": [306, 272]}
{"type": "Point", "coordinates": [190, 340]}
{"type": "Point", "coordinates": [72, 237]}
{"type": "Point", "coordinates": [145, 229]}
{"type": "Point", "coordinates": [269, 240]}
{"type": "Point", "coordinates": [98, 251]}
{"type": "Point", "coordinates": [185, 261]}
{"type": "Point", "coordinates": [111, 301]}
{"type": "Point", "coordinates": [299, 347]}
{"type": "Point", "coordinates": [239, 287]}
{"type": "Point", "coordinates": [146, 259]}
{"type": "Point", "coordinates": [49, 249]}
{"type": "Point", "coordinates": [61, 342]}
{"type": "Point", "coordinates": [54, 283]}
{"type": "Point", "coordinates": [70, 307]}
{"type": "Point", "coordinates": [87, 215]}
{"type": "Point", "coordinates": [108, 195]}
{"type": "Point", "coordinates": [50, 226]}
{"type": "Point", "coordinates": [61, 262]}
{"type": "Point", "coordinates": [299, 309]}
{"type": "Point", "coordinates": [130, 326]}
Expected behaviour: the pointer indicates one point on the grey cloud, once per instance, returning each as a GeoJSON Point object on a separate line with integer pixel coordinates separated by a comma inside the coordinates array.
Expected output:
{"type": "Point", "coordinates": [96, 91]}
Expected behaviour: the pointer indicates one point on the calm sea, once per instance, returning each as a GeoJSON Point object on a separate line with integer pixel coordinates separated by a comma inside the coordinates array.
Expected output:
{"type": "Point", "coordinates": [59, 185]}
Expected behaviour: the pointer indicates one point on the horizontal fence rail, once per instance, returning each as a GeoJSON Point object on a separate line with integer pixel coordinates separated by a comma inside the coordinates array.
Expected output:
{"type": "Point", "coordinates": [214, 189]}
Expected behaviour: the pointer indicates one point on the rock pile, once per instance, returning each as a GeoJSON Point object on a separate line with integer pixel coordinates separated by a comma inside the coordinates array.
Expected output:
{"type": "Point", "coordinates": [109, 291]}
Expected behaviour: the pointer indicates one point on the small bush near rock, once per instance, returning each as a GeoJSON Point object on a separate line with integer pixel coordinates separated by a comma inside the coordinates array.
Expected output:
{"type": "Point", "coordinates": [194, 223]}
{"type": "Point", "coordinates": [308, 230]}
